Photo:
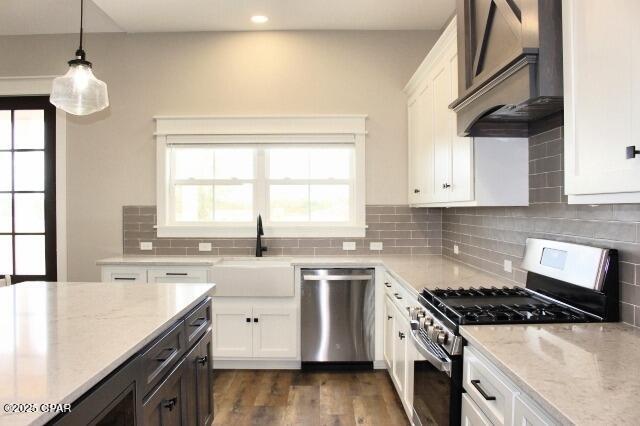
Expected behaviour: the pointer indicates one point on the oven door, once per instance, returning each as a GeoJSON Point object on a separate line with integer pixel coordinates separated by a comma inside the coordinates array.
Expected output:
{"type": "Point", "coordinates": [437, 384]}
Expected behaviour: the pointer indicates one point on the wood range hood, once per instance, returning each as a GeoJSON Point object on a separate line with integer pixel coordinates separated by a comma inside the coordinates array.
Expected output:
{"type": "Point", "coordinates": [509, 67]}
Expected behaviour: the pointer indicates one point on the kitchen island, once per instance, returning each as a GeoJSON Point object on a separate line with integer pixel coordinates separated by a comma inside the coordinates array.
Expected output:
{"type": "Point", "coordinates": [61, 343]}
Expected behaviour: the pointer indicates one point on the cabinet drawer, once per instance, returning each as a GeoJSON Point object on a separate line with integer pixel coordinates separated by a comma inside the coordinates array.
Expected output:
{"type": "Point", "coordinates": [124, 274]}
{"type": "Point", "coordinates": [177, 274]}
{"type": "Point", "coordinates": [471, 414]}
{"type": "Point", "coordinates": [168, 403]}
{"type": "Point", "coordinates": [197, 322]}
{"type": "Point", "coordinates": [488, 388]}
{"type": "Point", "coordinates": [525, 412]}
{"type": "Point", "coordinates": [162, 356]}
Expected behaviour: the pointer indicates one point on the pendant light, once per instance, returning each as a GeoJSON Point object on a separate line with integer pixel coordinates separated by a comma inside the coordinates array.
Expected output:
{"type": "Point", "coordinates": [79, 92]}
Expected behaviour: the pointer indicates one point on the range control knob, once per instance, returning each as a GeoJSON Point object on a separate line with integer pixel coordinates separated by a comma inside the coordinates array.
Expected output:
{"type": "Point", "coordinates": [428, 320]}
{"type": "Point", "coordinates": [435, 331]}
{"type": "Point", "coordinates": [442, 338]}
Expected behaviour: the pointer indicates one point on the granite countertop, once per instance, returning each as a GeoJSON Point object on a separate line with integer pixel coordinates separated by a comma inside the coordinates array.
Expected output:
{"type": "Point", "coordinates": [414, 272]}
{"type": "Point", "coordinates": [585, 374]}
{"type": "Point", "coordinates": [57, 340]}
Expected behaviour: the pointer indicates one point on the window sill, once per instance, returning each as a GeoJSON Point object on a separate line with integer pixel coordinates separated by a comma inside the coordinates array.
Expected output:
{"type": "Point", "coordinates": [334, 231]}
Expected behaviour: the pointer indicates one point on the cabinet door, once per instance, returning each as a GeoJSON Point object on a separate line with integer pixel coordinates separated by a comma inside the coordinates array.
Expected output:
{"type": "Point", "coordinates": [471, 414]}
{"type": "Point", "coordinates": [275, 329]}
{"type": "Point", "coordinates": [167, 406]}
{"type": "Point", "coordinates": [526, 414]}
{"type": "Point", "coordinates": [399, 351]}
{"type": "Point", "coordinates": [441, 128]}
{"type": "Point", "coordinates": [177, 275]}
{"type": "Point", "coordinates": [461, 147]}
{"type": "Point", "coordinates": [601, 95]}
{"type": "Point", "coordinates": [232, 330]}
{"type": "Point", "coordinates": [420, 154]}
{"type": "Point", "coordinates": [200, 395]}
{"type": "Point", "coordinates": [113, 274]}
{"type": "Point", "coordinates": [388, 332]}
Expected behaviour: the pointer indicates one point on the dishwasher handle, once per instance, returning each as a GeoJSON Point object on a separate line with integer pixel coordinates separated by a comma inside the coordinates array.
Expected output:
{"type": "Point", "coordinates": [337, 277]}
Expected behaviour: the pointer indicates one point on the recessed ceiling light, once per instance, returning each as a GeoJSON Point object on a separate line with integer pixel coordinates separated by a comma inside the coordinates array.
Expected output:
{"type": "Point", "coordinates": [259, 19]}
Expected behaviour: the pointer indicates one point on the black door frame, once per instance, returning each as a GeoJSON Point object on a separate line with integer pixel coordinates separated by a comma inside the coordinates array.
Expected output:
{"type": "Point", "coordinates": [39, 102]}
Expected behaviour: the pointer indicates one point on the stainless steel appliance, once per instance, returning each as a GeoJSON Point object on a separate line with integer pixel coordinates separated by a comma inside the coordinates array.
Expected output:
{"type": "Point", "coordinates": [337, 315]}
{"type": "Point", "coordinates": [565, 283]}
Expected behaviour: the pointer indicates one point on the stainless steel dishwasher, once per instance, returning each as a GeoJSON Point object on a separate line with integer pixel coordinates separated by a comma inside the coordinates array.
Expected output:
{"type": "Point", "coordinates": [337, 310]}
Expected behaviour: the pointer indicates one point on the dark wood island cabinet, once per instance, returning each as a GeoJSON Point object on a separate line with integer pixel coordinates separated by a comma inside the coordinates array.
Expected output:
{"type": "Point", "coordinates": [169, 382]}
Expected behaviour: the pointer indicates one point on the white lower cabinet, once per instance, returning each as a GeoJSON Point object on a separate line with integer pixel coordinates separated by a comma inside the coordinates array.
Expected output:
{"type": "Point", "coordinates": [120, 274]}
{"type": "Point", "coordinates": [274, 332]}
{"type": "Point", "coordinates": [398, 350]}
{"type": "Point", "coordinates": [526, 413]}
{"type": "Point", "coordinates": [400, 354]}
{"type": "Point", "coordinates": [232, 330]}
{"type": "Point", "coordinates": [472, 415]}
{"type": "Point", "coordinates": [182, 274]}
{"type": "Point", "coordinates": [388, 332]}
{"type": "Point", "coordinates": [153, 274]}
{"type": "Point", "coordinates": [492, 399]}
{"type": "Point", "coordinates": [254, 329]}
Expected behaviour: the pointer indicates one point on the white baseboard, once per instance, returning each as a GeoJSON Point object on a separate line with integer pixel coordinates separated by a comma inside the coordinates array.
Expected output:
{"type": "Point", "coordinates": [251, 364]}
{"type": "Point", "coordinates": [379, 365]}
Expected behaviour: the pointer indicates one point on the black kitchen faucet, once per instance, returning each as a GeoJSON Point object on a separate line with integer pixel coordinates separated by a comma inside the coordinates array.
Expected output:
{"type": "Point", "coordinates": [259, 233]}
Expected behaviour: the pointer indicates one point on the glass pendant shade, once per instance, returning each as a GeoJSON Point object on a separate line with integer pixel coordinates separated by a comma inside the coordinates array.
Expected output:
{"type": "Point", "coordinates": [79, 92]}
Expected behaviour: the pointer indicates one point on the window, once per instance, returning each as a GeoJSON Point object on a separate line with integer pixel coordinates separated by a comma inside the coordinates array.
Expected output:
{"type": "Point", "coordinates": [301, 184]}
{"type": "Point", "coordinates": [27, 189]}
{"type": "Point", "coordinates": [230, 184]}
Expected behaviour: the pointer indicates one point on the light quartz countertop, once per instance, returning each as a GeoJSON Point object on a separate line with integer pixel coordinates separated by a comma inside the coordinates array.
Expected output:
{"type": "Point", "coordinates": [57, 340]}
{"type": "Point", "coordinates": [414, 272]}
{"type": "Point", "coordinates": [584, 374]}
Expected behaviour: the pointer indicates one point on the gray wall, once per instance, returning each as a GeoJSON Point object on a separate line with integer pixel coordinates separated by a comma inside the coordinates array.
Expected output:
{"type": "Point", "coordinates": [488, 236]}
{"type": "Point", "coordinates": [111, 155]}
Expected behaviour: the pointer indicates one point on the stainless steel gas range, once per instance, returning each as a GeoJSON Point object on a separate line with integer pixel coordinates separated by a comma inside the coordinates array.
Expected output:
{"type": "Point", "coordinates": [565, 283]}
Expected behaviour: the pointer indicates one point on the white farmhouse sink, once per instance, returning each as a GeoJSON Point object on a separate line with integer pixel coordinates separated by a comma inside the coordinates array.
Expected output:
{"type": "Point", "coordinates": [253, 277]}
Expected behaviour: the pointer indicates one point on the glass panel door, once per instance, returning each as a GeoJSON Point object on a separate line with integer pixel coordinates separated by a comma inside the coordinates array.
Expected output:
{"type": "Point", "coordinates": [27, 189]}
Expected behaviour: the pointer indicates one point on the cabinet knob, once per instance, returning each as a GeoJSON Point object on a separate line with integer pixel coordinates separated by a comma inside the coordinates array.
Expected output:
{"type": "Point", "coordinates": [445, 185]}
{"type": "Point", "coordinates": [632, 152]}
{"type": "Point", "coordinates": [170, 403]}
{"type": "Point", "coordinates": [202, 360]}
{"type": "Point", "coordinates": [401, 335]}
{"type": "Point", "coordinates": [389, 317]}
{"type": "Point", "coordinates": [416, 191]}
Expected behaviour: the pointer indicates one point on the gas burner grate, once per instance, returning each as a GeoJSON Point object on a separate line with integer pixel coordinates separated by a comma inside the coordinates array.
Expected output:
{"type": "Point", "coordinates": [493, 291]}
{"type": "Point", "coordinates": [515, 313]}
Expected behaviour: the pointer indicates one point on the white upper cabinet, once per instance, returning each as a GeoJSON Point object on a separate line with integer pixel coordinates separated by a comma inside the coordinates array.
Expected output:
{"type": "Point", "coordinates": [448, 170]}
{"type": "Point", "coordinates": [601, 100]}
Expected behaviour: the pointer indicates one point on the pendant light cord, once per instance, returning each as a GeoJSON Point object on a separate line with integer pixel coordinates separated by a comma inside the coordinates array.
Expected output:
{"type": "Point", "coordinates": [80, 55]}
{"type": "Point", "coordinates": [81, 21]}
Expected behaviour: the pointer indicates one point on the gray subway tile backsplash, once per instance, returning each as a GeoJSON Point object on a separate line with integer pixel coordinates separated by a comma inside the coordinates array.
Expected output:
{"type": "Point", "coordinates": [401, 229]}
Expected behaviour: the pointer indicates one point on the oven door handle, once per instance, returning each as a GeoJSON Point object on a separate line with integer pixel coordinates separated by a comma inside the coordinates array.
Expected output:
{"type": "Point", "coordinates": [440, 364]}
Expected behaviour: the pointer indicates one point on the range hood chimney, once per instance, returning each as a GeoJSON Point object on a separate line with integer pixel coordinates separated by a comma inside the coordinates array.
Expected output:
{"type": "Point", "coordinates": [509, 67]}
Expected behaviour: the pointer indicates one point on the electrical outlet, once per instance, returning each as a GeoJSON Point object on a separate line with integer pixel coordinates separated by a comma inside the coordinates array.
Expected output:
{"type": "Point", "coordinates": [146, 245]}
{"type": "Point", "coordinates": [375, 246]}
{"type": "Point", "coordinates": [349, 245]}
{"type": "Point", "coordinates": [456, 249]}
{"type": "Point", "coordinates": [204, 247]}
{"type": "Point", "coordinates": [508, 267]}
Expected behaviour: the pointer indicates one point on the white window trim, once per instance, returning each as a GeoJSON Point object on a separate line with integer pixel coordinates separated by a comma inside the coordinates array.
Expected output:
{"type": "Point", "coordinates": [41, 86]}
{"type": "Point", "coordinates": [255, 130]}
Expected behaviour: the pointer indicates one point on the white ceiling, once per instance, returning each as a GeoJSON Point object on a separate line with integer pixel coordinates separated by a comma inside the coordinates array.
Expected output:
{"type": "Point", "coordinates": [51, 17]}
{"type": "Point", "coordinates": [61, 16]}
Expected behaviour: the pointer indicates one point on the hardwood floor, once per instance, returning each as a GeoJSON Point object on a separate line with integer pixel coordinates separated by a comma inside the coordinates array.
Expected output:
{"type": "Point", "coordinates": [282, 397]}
